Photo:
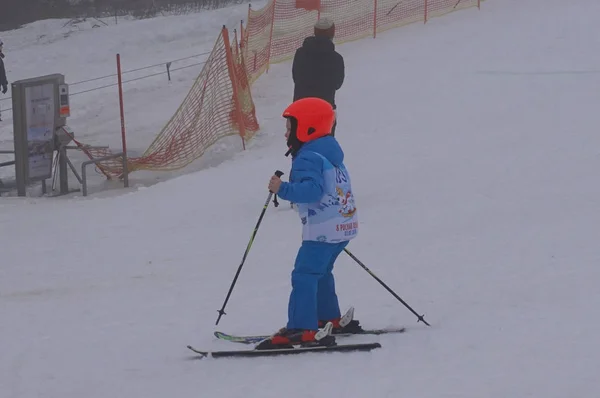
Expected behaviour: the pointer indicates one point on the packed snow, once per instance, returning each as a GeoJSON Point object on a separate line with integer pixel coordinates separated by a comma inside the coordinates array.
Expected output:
{"type": "Point", "coordinates": [473, 146]}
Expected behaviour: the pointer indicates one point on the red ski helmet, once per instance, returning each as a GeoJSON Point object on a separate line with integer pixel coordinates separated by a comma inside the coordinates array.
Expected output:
{"type": "Point", "coordinates": [314, 118]}
{"type": "Point", "coordinates": [311, 118]}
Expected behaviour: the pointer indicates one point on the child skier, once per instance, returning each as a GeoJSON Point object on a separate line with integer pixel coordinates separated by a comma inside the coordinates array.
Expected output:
{"type": "Point", "coordinates": [320, 186]}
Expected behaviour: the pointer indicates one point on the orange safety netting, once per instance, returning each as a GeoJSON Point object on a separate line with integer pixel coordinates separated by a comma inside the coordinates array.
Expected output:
{"type": "Point", "coordinates": [220, 104]}
{"type": "Point", "coordinates": [274, 32]}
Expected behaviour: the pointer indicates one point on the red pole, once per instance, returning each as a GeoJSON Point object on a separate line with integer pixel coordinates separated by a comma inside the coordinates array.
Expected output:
{"type": "Point", "coordinates": [234, 86]}
{"type": "Point", "coordinates": [271, 36]}
{"type": "Point", "coordinates": [124, 141]}
{"type": "Point", "coordinates": [375, 19]}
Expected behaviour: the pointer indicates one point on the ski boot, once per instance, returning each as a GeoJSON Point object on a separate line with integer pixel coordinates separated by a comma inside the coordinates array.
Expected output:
{"type": "Point", "coordinates": [288, 338]}
{"type": "Point", "coordinates": [344, 325]}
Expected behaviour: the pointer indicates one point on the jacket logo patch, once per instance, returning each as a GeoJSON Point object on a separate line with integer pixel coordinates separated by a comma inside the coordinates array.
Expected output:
{"type": "Point", "coordinates": [346, 199]}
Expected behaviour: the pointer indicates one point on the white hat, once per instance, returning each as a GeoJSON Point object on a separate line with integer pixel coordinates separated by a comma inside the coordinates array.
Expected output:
{"type": "Point", "coordinates": [324, 23]}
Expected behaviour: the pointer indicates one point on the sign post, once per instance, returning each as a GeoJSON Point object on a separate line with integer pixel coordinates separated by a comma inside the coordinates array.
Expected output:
{"type": "Point", "coordinates": [38, 110]}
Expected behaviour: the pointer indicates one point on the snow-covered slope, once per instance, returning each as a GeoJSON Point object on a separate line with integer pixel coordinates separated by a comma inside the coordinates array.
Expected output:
{"type": "Point", "coordinates": [474, 151]}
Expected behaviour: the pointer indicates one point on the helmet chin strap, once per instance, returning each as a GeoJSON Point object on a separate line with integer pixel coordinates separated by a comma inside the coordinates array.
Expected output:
{"type": "Point", "coordinates": [292, 149]}
{"type": "Point", "coordinates": [293, 143]}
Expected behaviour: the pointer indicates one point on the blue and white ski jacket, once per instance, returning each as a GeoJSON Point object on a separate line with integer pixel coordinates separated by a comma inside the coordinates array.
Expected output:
{"type": "Point", "coordinates": [320, 186]}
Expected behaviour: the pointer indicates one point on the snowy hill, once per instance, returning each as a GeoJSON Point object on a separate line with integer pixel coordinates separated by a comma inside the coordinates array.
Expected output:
{"type": "Point", "coordinates": [474, 150]}
{"type": "Point", "coordinates": [87, 58]}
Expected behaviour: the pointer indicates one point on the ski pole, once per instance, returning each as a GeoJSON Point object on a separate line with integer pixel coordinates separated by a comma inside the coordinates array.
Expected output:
{"type": "Point", "coordinates": [420, 317]}
{"type": "Point", "coordinates": [222, 310]}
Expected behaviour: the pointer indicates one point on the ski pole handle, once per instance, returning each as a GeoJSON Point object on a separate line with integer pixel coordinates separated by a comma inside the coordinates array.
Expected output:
{"type": "Point", "coordinates": [278, 173]}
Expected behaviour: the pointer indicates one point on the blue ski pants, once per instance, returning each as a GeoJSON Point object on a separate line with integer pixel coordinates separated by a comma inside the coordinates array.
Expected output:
{"type": "Point", "coordinates": [313, 296]}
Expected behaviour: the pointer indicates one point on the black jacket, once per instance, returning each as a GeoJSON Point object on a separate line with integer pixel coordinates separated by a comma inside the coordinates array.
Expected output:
{"type": "Point", "coordinates": [318, 70]}
{"type": "Point", "coordinates": [3, 80]}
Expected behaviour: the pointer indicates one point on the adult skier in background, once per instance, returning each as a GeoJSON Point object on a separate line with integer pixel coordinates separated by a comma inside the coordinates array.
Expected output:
{"type": "Point", "coordinates": [318, 69]}
{"type": "Point", "coordinates": [3, 80]}
{"type": "Point", "coordinates": [320, 186]}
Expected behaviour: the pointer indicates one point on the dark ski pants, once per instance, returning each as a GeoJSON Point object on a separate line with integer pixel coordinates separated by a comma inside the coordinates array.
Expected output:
{"type": "Point", "coordinates": [313, 296]}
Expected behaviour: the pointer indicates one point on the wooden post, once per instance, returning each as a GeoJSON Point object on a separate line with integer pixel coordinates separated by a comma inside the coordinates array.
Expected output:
{"type": "Point", "coordinates": [122, 110]}
{"type": "Point", "coordinates": [241, 43]}
{"type": "Point", "coordinates": [237, 50]}
{"type": "Point", "coordinates": [425, 18]}
{"type": "Point", "coordinates": [374, 19]}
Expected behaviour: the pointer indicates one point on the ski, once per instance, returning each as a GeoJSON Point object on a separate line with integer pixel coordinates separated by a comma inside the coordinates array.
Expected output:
{"type": "Point", "coordinates": [285, 351]}
{"type": "Point", "coordinates": [253, 339]}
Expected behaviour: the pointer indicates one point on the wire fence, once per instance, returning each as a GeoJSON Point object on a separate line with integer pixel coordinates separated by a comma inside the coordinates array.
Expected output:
{"type": "Point", "coordinates": [168, 70]}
